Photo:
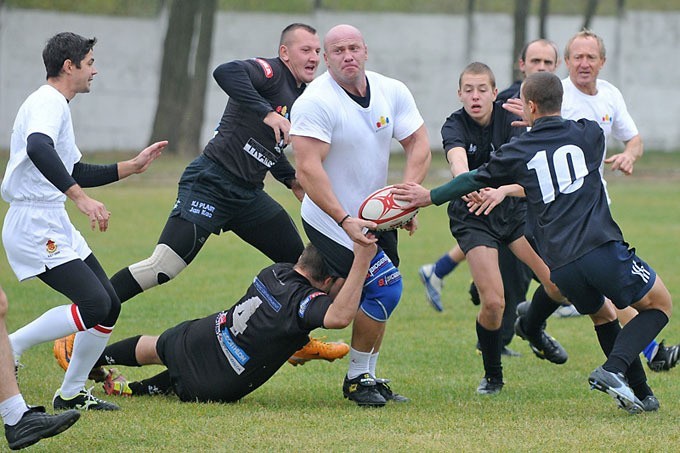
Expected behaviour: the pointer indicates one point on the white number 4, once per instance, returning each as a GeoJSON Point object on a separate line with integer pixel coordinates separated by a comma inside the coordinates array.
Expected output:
{"type": "Point", "coordinates": [242, 314]}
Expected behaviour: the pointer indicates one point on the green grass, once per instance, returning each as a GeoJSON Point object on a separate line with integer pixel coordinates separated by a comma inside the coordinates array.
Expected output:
{"type": "Point", "coordinates": [429, 356]}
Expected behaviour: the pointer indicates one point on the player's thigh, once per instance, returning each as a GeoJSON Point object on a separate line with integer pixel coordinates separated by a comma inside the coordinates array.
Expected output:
{"type": "Point", "coordinates": [658, 298]}
{"type": "Point", "coordinates": [483, 263]}
{"type": "Point", "coordinates": [277, 237]}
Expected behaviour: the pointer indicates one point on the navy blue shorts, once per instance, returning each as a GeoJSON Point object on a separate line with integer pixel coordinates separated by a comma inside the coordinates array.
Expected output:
{"type": "Point", "coordinates": [504, 225]}
{"type": "Point", "coordinates": [612, 270]}
{"type": "Point", "coordinates": [212, 198]}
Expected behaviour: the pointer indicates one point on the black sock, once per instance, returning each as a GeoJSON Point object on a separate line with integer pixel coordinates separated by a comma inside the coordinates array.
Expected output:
{"type": "Point", "coordinates": [633, 338]}
{"type": "Point", "coordinates": [159, 384]}
{"type": "Point", "coordinates": [120, 353]}
{"type": "Point", "coordinates": [125, 285]}
{"type": "Point", "coordinates": [637, 379]}
{"type": "Point", "coordinates": [491, 345]}
{"type": "Point", "coordinates": [542, 306]}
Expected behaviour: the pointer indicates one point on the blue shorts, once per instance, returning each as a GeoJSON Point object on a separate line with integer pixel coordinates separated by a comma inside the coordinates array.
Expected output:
{"type": "Point", "coordinates": [612, 270]}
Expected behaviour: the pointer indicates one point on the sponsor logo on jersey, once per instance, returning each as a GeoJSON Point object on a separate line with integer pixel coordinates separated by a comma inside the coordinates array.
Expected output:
{"type": "Point", "coordinates": [268, 71]}
{"type": "Point", "coordinates": [472, 148]}
{"type": "Point", "coordinates": [260, 153]}
{"type": "Point", "coordinates": [305, 302]}
{"type": "Point", "coordinates": [262, 289]}
{"type": "Point", "coordinates": [382, 122]}
{"type": "Point", "coordinates": [607, 118]}
{"type": "Point", "coordinates": [282, 110]}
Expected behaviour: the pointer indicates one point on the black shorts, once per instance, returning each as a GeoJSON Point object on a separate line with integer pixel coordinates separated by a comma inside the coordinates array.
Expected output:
{"type": "Point", "coordinates": [612, 270]}
{"type": "Point", "coordinates": [209, 196]}
{"type": "Point", "coordinates": [504, 225]}
{"type": "Point", "coordinates": [339, 258]}
{"type": "Point", "coordinates": [198, 368]}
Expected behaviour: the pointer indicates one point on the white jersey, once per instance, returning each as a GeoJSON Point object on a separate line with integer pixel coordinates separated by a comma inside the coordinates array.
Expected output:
{"type": "Point", "coordinates": [37, 233]}
{"type": "Point", "coordinates": [607, 108]}
{"type": "Point", "coordinates": [360, 140]}
{"type": "Point", "coordinates": [45, 111]}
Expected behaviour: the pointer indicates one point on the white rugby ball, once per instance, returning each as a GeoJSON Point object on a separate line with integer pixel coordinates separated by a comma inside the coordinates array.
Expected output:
{"type": "Point", "coordinates": [381, 207]}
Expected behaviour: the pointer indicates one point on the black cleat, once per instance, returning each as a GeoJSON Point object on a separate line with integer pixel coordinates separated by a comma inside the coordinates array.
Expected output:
{"type": "Point", "coordinates": [490, 386]}
{"type": "Point", "coordinates": [544, 347]}
{"type": "Point", "coordinates": [616, 386]}
{"type": "Point", "coordinates": [35, 424]}
{"type": "Point", "coordinates": [666, 357]}
{"type": "Point", "coordinates": [363, 391]}
{"type": "Point", "coordinates": [387, 393]}
{"type": "Point", "coordinates": [650, 403]}
{"type": "Point", "coordinates": [83, 401]}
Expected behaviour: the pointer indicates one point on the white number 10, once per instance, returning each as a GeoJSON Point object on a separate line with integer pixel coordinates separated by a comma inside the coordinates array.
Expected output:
{"type": "Point", "coordinates": [566, 183]}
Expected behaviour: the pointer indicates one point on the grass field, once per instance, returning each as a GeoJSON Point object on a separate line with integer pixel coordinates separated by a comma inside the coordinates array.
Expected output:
{"type": "Point", "coordinates": [429, 356]}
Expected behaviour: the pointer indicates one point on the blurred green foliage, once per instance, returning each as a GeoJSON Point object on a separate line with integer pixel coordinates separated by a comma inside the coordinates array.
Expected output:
{"type": "Point", "coordinates": [152, 7]}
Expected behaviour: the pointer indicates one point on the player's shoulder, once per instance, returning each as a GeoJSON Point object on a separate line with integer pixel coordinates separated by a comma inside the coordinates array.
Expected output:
{"type": "Point", "coordinates": [608, 89]}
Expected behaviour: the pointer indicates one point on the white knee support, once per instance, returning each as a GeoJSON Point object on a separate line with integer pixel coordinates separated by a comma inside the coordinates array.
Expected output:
{"type": "Point", "coordinates": [163, 265]}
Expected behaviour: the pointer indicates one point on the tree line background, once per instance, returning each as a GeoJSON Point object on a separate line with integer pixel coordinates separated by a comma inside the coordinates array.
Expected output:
{"type": "Point", "coordinates": [187, 45]}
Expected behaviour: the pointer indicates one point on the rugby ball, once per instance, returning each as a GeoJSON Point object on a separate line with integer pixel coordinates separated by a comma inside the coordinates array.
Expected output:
{"type": "Point", "coordinates": [381, 207]}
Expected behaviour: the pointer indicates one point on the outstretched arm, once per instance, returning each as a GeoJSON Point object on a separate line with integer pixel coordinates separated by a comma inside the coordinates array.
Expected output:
{"type": "Point", "coordinates": [345, 305]}
{"type": "Point", "coordinates": [625, 160]}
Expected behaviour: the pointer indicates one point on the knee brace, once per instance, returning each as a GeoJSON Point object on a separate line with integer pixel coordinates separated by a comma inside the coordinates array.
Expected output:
{"type": "Point", "coordinates": [162, 266]}
{"type": "Point", "coordinates": [382, 289]}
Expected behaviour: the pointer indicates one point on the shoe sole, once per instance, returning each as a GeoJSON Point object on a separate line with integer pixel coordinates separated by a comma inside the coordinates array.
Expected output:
{"type": "Point", "coordinates": [423, 280]}
{"type": "Point", "coordinates": [362, 404]}
{"type": "Point", "coordinates": [622, 400]}
{"type": "Point", "coordinates": [51, 432]}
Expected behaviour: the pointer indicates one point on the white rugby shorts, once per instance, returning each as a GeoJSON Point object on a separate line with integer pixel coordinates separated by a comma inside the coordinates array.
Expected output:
{"type": "Point", "coordinates": [39, 236]}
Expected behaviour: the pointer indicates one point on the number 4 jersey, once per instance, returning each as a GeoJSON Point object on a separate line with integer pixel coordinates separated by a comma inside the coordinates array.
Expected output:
{"type": "Point", "coordinates": [270, 322]}
{"type": "Point", "coordinates": [557, 162]}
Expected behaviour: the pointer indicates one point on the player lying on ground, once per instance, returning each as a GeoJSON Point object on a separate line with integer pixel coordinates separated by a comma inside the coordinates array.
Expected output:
{"type": "Point", "coordinates": [227, 355]}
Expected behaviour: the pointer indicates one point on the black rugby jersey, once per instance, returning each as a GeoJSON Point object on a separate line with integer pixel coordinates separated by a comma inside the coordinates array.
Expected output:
{"type": "Point", "coordinates": [480, 142]}
{"type": "Point", "coordinates": [557, 162]}
{"type": "Point", "coordinates": [270, 322]}
{"type": "Point", "coordinates": [243, 143]}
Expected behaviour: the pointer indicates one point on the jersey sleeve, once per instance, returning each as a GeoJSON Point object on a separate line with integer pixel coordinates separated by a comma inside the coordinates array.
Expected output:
{"type": "Point", "coordinates": [501, 169]}
{"type": "Point", "coordinates": [453, 133]}
{"type": "Point", "coordinates": [623, 127]}
{"type": "Point", "coordinates": [313, 308]}
{"type": "Point", "coordinates": [47, 118]}
{"type": "Point", "coordinates": [407, 117]}
{"type": "Point", "coordinates": [242, 80]}
{"type": "Point", "coordinates": [309, 118]}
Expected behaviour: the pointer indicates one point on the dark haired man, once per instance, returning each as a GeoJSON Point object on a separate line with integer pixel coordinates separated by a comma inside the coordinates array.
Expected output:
{"type": "Point", "coordinates": [44, 169]}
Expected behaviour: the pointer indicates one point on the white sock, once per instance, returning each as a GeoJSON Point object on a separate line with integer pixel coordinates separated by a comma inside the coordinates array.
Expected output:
{"type": "Point", "coordinates": [87, 347]}
{"type": "Point", "coordinates": [372, 362]}
{"type": "Point", "coordinates": [12, 409]}
{"type": "Point", "coordinates": [358, 363]}
{"type": "Point", "coordinates": [54, 323]}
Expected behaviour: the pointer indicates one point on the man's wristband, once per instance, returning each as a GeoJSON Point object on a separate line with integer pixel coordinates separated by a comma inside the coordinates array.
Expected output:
{"type": "Point", "coordinates": [343, 220]}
